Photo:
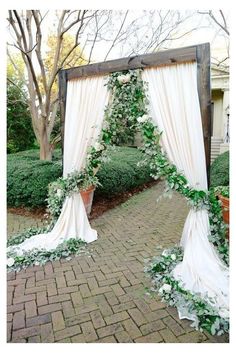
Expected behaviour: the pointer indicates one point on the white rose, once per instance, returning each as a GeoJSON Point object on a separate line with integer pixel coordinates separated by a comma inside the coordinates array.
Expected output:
{"type": "Point", "coordinates": [59, 192]}
{"type": "Point", "coordinates": [143, 118]}
{"type": "Point", "coordinates": [165, 253]}
{"type": "Point", "coordinates": [165, 288]}
{"type": "Point", "coordinates": [10, 262]}
{"type": "Point", "coordinates": [127, 78]}
{"type": "Point", "coordinates": [173, 257]}
{"type": "Point", "coordinates": [98, 146]}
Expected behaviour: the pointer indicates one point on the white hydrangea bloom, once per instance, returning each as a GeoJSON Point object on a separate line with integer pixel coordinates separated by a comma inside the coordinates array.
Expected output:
{"type": "Point", "coordinates": [165, 288]}
{"type": "Point", "coordinates": [124, 78]}
{"type": "Point", "coordinates": [165, 253]}
{"type": "Point", "coordinates": [173, 257]}
{"type": "Point", "coordinates": [10, 262]}
{"type": "Point", "coordinates": [59, 192]}
{"type": "Point", "coordinates": [143, 118]}
{"type": "Point", "coordinates": [98, 146]}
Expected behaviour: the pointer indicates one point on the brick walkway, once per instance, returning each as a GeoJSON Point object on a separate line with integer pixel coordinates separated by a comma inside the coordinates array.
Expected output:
{"type": "Point", "coordinates": [101, 297]}
{"type": "Point", "coordinates": [17, 223]}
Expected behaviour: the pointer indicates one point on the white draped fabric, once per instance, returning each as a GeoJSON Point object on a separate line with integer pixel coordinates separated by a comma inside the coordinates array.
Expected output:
{"type": "Point", "coordinates": [175, 108]}
{"type": "Point", "coordinates": [85, 104]}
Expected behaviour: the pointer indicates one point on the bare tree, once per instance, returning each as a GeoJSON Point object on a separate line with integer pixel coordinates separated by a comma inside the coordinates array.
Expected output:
{"type": "Point", "coordinates": [131, 32]}
{"type": "Point", "coordinates": [219, 20]}
{"type": "Point", "coordinates": [27, 29]}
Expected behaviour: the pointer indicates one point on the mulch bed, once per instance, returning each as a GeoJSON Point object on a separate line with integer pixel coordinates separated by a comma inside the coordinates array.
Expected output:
{"type": "Point", "coordinates": [100, 204]}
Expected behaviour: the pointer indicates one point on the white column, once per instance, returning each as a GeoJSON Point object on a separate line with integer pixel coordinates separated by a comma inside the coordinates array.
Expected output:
{"type": "Point", "coordinates": [225, 112]}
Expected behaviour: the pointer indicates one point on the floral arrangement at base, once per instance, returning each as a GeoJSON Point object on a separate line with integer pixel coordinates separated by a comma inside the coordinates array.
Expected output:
{"type": "Point", "coordinates": [222, 190]}
{"type": "Point", "coordinates": [16, 262]}
{"type": "Point", "coordinates": [174, 294]}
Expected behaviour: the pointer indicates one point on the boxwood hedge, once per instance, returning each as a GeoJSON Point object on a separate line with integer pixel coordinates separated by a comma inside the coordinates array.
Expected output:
{"type": "Point", "coordinates": [28, 177]}
{"type": "Point", "coordinates": [220, 170]}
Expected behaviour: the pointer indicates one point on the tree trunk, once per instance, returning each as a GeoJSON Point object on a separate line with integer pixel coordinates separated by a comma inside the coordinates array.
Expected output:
{"type": "Point", "coordinates": [45, 147]}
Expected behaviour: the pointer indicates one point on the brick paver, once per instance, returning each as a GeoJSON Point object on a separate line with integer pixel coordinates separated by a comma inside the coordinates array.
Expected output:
{"type": "Point", "coordinates": [101, 297]}
{"type": "Point", "coordinates": [17, 223]}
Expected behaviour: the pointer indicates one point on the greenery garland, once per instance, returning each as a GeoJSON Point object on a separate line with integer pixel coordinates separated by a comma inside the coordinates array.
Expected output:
{"type": "Point", "coordinates": [17, 262]}
{"type": "Point", "coordinates": [206, 317]}
{"type": "Point", "coordinates": [174, 294]}
{"type": "Point", "coordinates": [124, 116]}
{"type": "Point", "coordinates": [128, 102]}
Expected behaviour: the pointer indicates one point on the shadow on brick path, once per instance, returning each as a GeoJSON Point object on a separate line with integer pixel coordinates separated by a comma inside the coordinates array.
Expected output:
{"type": "Point", "coordinates": [101, 297]}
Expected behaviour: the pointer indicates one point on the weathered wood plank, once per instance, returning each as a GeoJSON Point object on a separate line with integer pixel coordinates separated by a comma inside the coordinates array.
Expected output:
{"type": "Point", "coordinates": [167, 57]}
{"type": "Point", "coordinates": [204, 91]}
{"type": "Point", "coordinates": [62, 78]}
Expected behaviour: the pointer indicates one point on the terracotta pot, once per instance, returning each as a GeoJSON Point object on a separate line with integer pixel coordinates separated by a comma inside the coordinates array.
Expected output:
{"type": "Point", "coordinates": [87, 196]}
{"type": "Point", "coordinates": [225, 211]}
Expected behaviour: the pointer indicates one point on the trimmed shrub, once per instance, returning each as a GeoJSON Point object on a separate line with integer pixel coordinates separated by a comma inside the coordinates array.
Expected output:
{"type": "Point", "coordinates": [121, 173]}
{"type": "Point", "coordinates": [220, 170]}
{"type": "Point", "coordinates": [28, 177]}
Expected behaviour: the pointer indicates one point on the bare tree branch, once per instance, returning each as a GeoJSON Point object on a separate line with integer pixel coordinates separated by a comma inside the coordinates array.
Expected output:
{"type": "Point", "coordinates": [17, 86]}
{"type": "Point", "coordinates": [224, 27]}
{"type": "Point", "coordinates": [117, 36]}
{"type": "Point", "coordinates": [38, 22]}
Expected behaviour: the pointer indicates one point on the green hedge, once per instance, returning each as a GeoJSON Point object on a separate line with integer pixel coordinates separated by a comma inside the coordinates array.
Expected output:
{"type": "Point", "coordinates": [220, 170]}
{"type": "Point", "coordinates": [121, 173]}
{"type": "Point", "coordinates": [28, 177]}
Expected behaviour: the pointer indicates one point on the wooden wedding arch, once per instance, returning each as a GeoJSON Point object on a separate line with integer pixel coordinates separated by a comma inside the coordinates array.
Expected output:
{"type": "Point", "coordinates": [199, 53]}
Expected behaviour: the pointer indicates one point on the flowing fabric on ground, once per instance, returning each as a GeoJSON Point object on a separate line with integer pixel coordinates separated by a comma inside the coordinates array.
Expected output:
{"type": "Point", "coordinates": [85, 104]}
{"type": "Point", "coordinates": [175, 108]}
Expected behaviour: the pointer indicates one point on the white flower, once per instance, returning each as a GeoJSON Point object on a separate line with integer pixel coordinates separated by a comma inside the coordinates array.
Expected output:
{"type": "Point", "coordinates": [143, 118]}
{"type": "Point", "coordinates": [173, 257]}
{"type": "Point", "coordinates": [124, 78]}
{"type": "Point", "coordinates": [10, 262]}
{"type": "Point", "coordinates": [59, 192]}
{"type": "Point", "coordinates": [165, 288]}
{"type": "Point", "coordinates": [105, 125]}
{"type": "Point", "coordinates": [98, 146]}
{"type": "Point", "coordinates": [165, 253]}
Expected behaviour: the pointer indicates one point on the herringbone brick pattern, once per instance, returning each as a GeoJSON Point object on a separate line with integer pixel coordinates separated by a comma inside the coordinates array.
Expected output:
{"type": "Point", "coordinates": [101, 296]}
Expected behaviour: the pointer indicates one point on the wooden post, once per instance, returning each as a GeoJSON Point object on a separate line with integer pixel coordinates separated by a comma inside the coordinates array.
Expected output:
{"type": "Point", "coordinates": [62, 76]}
{"type": "Point", "coordinates": [204, 91]}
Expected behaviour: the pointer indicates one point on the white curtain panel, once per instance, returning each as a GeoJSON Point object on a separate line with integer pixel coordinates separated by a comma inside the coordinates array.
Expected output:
{"type": "Point", "coordinates": [175, 108]}
{"type": "Point", "coordinates": [85, 104]}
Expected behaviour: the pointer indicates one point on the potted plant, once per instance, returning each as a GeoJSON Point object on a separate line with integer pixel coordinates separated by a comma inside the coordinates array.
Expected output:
{"type": "Point", "coordinates": [89, 179]}
{"type": "Point", "coordinates": [222, 193]}
{"type": "Point", "coordinates": [87, 188]}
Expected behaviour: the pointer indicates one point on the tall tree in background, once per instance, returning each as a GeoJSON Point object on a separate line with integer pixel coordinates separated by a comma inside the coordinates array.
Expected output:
{"type": "Point", "coordinates": [76, 36]}
{"type": "Point", "coordinates": [27, 27]}
{"type": "Point", "coordinates": [20, 135]}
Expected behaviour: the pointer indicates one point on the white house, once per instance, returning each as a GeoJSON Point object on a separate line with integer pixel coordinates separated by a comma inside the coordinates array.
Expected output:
{"type": "Point", "coordinates": [220, 112]}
